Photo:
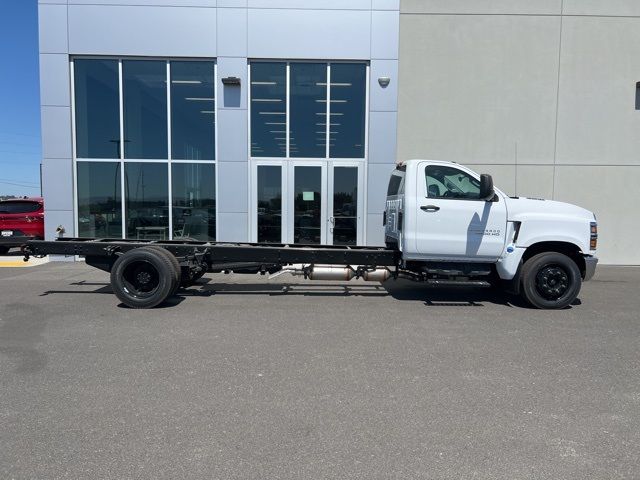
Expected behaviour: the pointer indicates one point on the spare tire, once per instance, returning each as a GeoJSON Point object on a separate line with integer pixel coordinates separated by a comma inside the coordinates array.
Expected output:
{"type": "Point", "coordinates": [144, 277]}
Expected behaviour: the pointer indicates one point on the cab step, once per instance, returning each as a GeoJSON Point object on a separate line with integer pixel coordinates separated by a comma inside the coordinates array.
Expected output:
{"type": "Point", "coordinates": [451, 269]}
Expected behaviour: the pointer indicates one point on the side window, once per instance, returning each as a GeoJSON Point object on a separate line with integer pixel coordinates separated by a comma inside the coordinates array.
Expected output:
{"type": "Point", "coordinates": [394, 185]}
{"type": "Point", "coordinates": [449, 182]}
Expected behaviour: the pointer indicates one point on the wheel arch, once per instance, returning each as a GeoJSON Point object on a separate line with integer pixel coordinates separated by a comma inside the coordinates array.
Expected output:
{"type": "Point", "coordinates": [569, 249]}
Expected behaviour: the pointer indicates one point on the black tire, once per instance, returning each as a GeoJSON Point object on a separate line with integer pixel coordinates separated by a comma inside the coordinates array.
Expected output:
{"type": "Point", "coordinates": [4, 250]}
{"type": "Point", "coordinates": [176, 266]}
{"type": "Point", "coordinates": [550, 280]}
{"type": "Point", "coordinates": [143, 277]}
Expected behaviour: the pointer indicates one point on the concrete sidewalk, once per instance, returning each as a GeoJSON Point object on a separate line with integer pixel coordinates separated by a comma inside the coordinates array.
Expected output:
{"type": "Point", "coordinates": [15, 258]}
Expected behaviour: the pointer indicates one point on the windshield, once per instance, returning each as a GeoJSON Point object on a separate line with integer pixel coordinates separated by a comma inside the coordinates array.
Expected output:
{"type": "Point", "coordinates": [19, 207]}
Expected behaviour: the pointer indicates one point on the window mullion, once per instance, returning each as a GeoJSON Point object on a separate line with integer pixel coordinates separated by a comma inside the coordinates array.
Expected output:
{"type": "Point", "coordinates": [288, 111]}
{"type": "Point", "coordinates": [170, 186]}
{"type": "Point", "coordinates": [122, 172]}
{"type": "Point", "coordinates": [328, 115]}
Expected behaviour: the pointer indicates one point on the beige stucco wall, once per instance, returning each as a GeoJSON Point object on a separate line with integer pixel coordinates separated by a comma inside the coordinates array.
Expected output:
{"type": "Point", "coordinates": [539, 93]}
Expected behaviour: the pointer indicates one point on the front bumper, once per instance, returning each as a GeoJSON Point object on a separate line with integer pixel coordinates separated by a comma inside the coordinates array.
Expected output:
{"type": "Point", "coordinates": [590, 267]}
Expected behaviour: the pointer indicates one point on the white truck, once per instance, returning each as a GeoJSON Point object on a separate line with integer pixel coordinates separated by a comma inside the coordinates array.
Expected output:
{"type": "Point", "coordinates": [448, 220]}
{"type": "Point", "coordinates": [444, 225]}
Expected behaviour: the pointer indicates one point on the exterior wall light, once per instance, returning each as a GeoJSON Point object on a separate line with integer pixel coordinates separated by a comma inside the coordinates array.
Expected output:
{"type": "Point", "coordinates": [384, 81]}
{"type": "Point", "coordinates": [231, 81]}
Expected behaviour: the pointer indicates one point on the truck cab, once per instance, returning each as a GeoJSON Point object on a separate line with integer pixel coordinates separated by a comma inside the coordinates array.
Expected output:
{"type": "Point", "coordinates": [448, 220]}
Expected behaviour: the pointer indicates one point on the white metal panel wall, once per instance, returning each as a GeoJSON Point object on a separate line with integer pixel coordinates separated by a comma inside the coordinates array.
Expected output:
{"type": "Point", "coordinates": [142, 30]}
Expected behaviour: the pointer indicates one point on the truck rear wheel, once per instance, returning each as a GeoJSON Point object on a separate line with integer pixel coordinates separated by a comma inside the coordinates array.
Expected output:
{"type": "Point", "coordinates": [550, 280]}
{"type": "Point", "coordinates": [144, 277]}
{"type": "Point", "coordinates": [174, 261]}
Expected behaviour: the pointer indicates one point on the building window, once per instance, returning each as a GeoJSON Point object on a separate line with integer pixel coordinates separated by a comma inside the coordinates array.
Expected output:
{"type": "Point", "coordinates": [193, 193]}
{"type": "Point", "coordinates": [99, 199]}
{"type": "Point", "coordinates": [144, 88]}
{"type": "Point", "coordinates": [96, 109]}
{"type": "Point", "coordinates": [134, 111]}
{"type": "Point", "coordinates": [348, 106]}
{"type": "Point", "coordinates": [324, 115]}
{"type": "Point", "coordinates": [146, 200]}
{"type": "Point", "coordinates": [308, 109]}
{"type": "Point", "coordinates": [192, 111]}
{"type": "Point", "coordinates": [268, 109]}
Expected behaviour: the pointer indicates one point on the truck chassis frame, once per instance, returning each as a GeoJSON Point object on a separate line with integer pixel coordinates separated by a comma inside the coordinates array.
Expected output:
{"type": "Point", "coordinates": [144, 273]}
{"type": "Point", "coordinates": [219, 254]}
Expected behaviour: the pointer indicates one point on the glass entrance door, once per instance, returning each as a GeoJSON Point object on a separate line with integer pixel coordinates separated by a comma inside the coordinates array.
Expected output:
{"type": "Point", "coordinates": [308, 202]}
{"type": "Point", "coordinates": [268, 204]}
{"type": "Point", "coordinates": [308, 207]}
{"type": "Point", "coordinates": [345, 205]}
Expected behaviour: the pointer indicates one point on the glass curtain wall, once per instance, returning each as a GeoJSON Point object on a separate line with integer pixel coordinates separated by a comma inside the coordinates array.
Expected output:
{"type": "Point", "coordinates": [348, 107]}
{"type": "Point", "coordinates": [146, 200]}
{"type": "Point", "coordinates": [99, 199]}
{"type": "Point", "coordinates": [307, 111]}
{"type": "Point", "coordinates": [144, 86]}
{"type": "Point", "coordinates": [168, 123]}
{"type": "Point", "coordinates": [193, 112]}
{"type": "Point", "coordinates": [194, 201]}
{"type": "Point", "coordinates": [268, 109]}
{"type": "Point", "coordinates": [97, 112]}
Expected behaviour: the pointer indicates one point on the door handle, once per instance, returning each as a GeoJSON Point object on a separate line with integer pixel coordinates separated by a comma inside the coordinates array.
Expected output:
{"type": "Point", "coordinates": [429, 208]}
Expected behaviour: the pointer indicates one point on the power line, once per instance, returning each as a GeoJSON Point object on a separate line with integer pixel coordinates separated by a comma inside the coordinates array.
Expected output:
{"type": "Point", "coordinates": [21, 185]}
{"type": "Point", "coordinates": [20, 181]}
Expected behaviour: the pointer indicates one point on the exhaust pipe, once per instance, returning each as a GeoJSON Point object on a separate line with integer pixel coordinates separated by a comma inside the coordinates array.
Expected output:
{"type": "Point", "coordinates": [335, 272]}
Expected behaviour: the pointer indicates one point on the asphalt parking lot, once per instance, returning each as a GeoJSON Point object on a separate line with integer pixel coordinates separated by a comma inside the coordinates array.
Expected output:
{"type": "Point", "coordinates": [244, 378]}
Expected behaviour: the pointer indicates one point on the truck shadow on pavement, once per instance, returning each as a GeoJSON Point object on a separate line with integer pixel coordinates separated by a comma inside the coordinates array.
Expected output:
{"type": "Point", "coordinates": [459, 296]}
{"type": "Point", "coordinates": [399, 290]}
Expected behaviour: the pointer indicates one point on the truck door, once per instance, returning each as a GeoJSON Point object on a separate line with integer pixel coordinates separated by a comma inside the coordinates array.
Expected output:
{"type": "Point", "coordinates": [452, 221]}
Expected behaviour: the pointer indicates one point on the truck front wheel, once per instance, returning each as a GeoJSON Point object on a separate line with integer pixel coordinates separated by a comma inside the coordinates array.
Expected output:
{"type": "Point", "coordinates": [550, 280]}
{"type": "Point", "coordinates": [144, 277]}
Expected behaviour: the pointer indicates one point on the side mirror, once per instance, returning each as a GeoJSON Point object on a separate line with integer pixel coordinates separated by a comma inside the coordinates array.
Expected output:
{"type": "Point", "coordinates": [486, 187]}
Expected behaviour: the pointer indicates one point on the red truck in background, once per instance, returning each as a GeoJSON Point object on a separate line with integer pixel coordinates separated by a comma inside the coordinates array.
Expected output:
{"type": "Point", "coordinates": [21, 219]}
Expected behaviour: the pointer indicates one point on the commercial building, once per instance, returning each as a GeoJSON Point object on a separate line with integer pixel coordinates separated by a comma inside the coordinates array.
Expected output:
{"type": "Point", "coordinates": [280, 120]}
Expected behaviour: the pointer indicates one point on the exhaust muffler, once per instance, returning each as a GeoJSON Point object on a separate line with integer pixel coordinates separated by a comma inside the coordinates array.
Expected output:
{"type": "Point", "coordinates": [336, 272]}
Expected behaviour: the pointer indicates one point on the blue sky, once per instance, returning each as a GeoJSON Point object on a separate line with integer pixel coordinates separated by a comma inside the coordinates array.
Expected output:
{"type": "Point", "coordinates": [20, 147]}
